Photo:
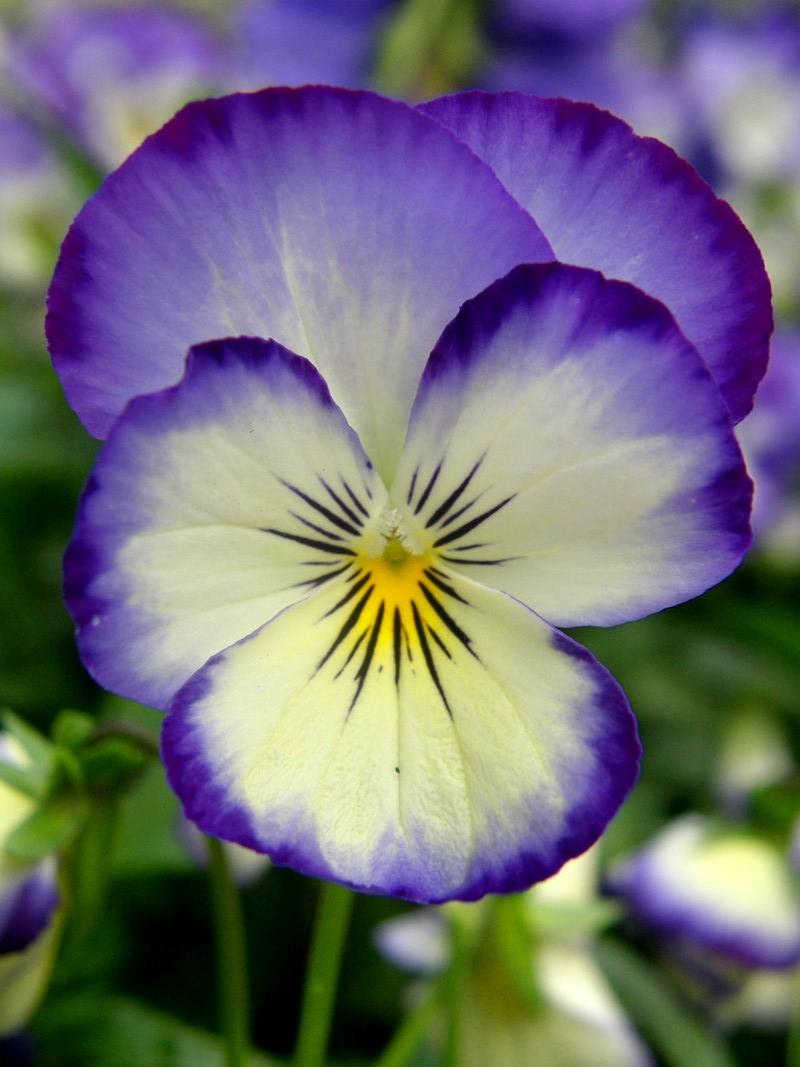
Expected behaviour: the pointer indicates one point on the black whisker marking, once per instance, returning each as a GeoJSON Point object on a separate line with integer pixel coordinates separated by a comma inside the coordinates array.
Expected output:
{"type": "Point", "coordinates": [363, 670]}
{"type": "Point", "coordinates": [348, 511]}
{"type": "Point", "coordinates": [411, 487]}
{"type": "Point", "coordinates": [354, 498]}
{"type": "Point", "coordinates": [322, 578]}
{"type": "Point", "coordinates": [351, 592]}
{"type": "Point", "coordinates": [448, 620]}
{"type": "Point", "coordinates": [439, 641]}
{"type": "Point", "coordinates": [310, 542]}
{"type": "Point", "coordinates": [347, 626]}
{"type": "Point", "coordinates": [428, 655]}
{"type": "Point", "coordinates": [433, 576]}
{"type": "Point", "coordinates": [352, 652]}
{"type": "Point", "coordinates": [444, 507]}
{"type": "Point", "coordinates": [479, 562]}
{"type": "Point", "coordinates": [331, 516]}
{"type": "Point", "coordinates": [423, 500]}
{"type": "Point", "coordinates": [468, 526]}
{"type": "Point", "coordinates": [397, 635]}
{"type": "Point", "coordinates": [318, 529]}
{"type": "Point", "coordinates": [461, 511]}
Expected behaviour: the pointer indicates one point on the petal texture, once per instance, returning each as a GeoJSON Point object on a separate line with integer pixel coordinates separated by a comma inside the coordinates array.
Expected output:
{"type": "Point", "coordinates": [213, 506]}
{"type": "Point", "coordinates": [631, 208]}
{"type": "Point", "coordinates": [425, 745]}
{"type": "Point", "coordinates": [346, 226]}
{"type": "Point", "coordinates": [568, 446]}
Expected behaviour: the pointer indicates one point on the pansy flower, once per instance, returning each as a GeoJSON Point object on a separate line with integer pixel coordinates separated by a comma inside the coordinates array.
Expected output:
{"type": "Point", "coordinates": [404, 437]}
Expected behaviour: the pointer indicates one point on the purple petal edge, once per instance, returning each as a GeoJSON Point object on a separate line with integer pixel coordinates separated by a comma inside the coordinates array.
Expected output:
{"type": "Point", "coordinates": [211, 807]}
{"type": "Point", "coordinates": [26, 908]}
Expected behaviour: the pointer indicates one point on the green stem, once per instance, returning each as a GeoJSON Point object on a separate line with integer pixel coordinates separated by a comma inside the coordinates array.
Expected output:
{"type": "Point", "coordinates": [409, 1035]}
{"type": "Point", "coordinates": [453, 980]}
{"type": "Point", "coordinates": [139, 736]}
{"type": "Point", "coordinates": [327, 946]}
{"type": "Point", "coordinates": [232, 956]}
{"type": "Point", "coordinates": [793, 1039]}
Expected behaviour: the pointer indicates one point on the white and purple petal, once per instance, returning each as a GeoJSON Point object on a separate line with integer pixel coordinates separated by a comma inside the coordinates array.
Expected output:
{"type": "Point", "coordinates": [431, 740]}
{"type": "Point", "coordinates": [569, 447]}
{"type": "Point", "coordinates": [213, 506]}
{"type": "Point", "coordinates": [27, 902]}
{"type": "Point", "coordinates": [348, 227]}
{"type": "Point", "coordinates": [729, 893]}
{"type": "Point", "coordinates": [631, 208]}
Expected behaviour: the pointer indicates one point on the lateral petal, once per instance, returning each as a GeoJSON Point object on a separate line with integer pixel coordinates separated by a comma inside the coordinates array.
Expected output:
{"type": "Point", "coordinates": [212, 506]}
{"type": "Point", "coordinates": [568, 446]}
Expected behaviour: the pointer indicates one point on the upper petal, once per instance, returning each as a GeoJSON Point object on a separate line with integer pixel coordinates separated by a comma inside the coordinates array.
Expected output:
{"type": "Point", "coordinates": [346, 226]}
{"type": "Point", "coordinates": [212, 506]}
{"type": "Point", "coordinates": [568, 446]}
{"type": "Point", "coordinates": [630, 207]}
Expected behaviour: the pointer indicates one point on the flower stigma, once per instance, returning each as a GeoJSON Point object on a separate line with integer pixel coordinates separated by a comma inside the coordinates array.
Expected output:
{"type": "Point", "coordinates": [393, 613]}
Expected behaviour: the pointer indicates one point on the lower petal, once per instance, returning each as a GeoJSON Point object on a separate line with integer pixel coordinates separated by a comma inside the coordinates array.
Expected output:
{"type": "Point", "coordinates": [436, 747]}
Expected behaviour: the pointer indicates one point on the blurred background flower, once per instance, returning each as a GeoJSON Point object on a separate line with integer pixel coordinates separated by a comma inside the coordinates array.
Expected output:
{"type": "Point", "coordinates": [29, 902]}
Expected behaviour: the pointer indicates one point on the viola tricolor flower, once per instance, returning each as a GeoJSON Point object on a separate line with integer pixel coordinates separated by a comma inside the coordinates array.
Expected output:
{"type": "Point", "coordinates": [404, 437]}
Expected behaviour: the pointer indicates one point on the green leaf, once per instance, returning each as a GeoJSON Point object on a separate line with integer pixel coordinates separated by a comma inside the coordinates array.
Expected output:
{"type": "Point", "coordinates": [72, 728]}
{"type": "Point", "coordinates": [565, 920]}
{"type": "Point", "coordinates": [679, 1036]}
{"type": "Point", "coordinates": [66, 775]}
{"type": "Point", "coordinates": [511, 936]}
{"type": "Point", "coordinates": [37, 748]}
{"type": "Point", "coordinates": [115, 1031]}
{"type": "Point", "coordinates": [23, 780]}
{"type": "Point", "coordinates": [49, 828]}
{"type": "Point", "coordinates": [428, 46]}
{"type": "Point", "coordinates": [112, 764]}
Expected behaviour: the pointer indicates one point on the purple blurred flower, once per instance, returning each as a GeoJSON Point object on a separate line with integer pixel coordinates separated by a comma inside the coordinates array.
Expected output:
{"type": "Point", "coordinates": [298, 42]}
{"type": "Point", "coordinates": [742, 81]}
{"type": "Point", "coordinates": [570, 18]}
{"type": "Point", "coordinates": [36, 202]}
{"type": "Point", "coordinates": [714, 894]}
{"type": "Point", "coordinates": [771, 443]}
{"type": "Point", "coordinates": [112, 75]}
